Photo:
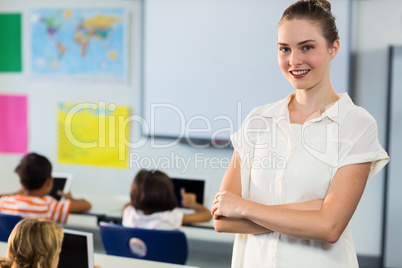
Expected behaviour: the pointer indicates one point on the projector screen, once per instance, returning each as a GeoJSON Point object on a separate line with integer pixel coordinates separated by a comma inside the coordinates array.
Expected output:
{"type": "Point", "coordinates": [207, 63]}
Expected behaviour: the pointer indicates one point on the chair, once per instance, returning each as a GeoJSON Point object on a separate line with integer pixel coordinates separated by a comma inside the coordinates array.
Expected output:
{"type": "Point", "coordinates": [7, 223]}
{"type": "Point", "coordinates": [156, 245]}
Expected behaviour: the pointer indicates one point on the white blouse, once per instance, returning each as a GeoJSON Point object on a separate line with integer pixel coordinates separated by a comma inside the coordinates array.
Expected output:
{"type": "Point", "coordinates": [165, 220]}
{"type": "Point", "coordinates": [286, 163]}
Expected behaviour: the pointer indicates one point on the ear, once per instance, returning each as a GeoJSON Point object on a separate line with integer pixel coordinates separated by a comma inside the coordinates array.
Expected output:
{"type": "Point", "coordinates": [334, 49]}
{"type": "Point", "coordinates": [49, 181]}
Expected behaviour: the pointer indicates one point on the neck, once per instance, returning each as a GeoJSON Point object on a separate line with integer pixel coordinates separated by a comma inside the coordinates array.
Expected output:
{"type": "Point", "coordinates": [311, 103]}
{"type": "Point", "coordinates": [313, 100]}
{"type": "Point", "coordinates": [36, 192]}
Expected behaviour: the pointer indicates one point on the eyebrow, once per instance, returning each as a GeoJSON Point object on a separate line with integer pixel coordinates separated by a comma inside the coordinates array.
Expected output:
{"type": "Point", "coordinates": [300, 43]}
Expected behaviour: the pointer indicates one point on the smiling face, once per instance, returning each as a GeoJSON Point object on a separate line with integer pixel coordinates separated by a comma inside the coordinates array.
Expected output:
{"type": "Point", "coordinates": [304, 55]}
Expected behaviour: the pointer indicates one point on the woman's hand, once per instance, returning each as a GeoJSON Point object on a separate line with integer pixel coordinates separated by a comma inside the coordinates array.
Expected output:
{"type": "Point", "coordinates": [227, 204]}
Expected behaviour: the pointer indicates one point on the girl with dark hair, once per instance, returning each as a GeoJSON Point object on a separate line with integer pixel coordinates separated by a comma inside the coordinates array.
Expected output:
{"type": "Point", "coordinates": [153, 204]}
{"type": "Point", "coordinates": [296, 213]}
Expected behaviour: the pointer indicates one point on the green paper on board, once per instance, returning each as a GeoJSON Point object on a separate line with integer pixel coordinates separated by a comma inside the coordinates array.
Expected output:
{"type": "Point", "coordinates": [10, 43]}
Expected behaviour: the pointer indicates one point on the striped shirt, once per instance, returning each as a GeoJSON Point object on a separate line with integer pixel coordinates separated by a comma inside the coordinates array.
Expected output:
{"type": "Point", "coordinates": [34, 206]}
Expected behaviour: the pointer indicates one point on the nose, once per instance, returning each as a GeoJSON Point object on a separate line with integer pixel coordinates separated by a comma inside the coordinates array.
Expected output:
{"type": "Point", "coordinates": [296, 58]}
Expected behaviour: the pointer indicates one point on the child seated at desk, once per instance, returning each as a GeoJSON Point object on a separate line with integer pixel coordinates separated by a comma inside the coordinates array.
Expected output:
{"type": "Point", "coordinates": [33, 243]}
{"type": "Point", "coordinates": [35, 177]}
{"type": "Point", "coordinates": [153, 204]}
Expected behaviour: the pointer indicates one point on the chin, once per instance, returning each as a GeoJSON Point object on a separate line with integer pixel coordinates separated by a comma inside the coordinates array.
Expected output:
{"type": "Point", "coordinates": [300, 86]}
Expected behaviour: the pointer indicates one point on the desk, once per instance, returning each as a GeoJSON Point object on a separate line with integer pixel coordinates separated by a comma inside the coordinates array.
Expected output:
{"type": "Point", "coordinates": [108, 261]}
{"type": "Point", "coordinates": [110, 208]}
{"type": "Point", "coordinates": [110, 205]}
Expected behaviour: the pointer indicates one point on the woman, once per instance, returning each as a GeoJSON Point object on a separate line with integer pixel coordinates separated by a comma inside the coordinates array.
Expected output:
{"type": "Point", "coordinates": [295, 213]}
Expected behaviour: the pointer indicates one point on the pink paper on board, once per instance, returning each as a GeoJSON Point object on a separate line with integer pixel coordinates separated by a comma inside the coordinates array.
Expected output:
{"type": "Point", "coordinates": [13, 124]}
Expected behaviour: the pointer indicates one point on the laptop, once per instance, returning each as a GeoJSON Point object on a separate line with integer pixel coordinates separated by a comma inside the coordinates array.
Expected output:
{"type": "Point", "coordinates": [77, 250]}
{"type": "Point", "coordinates": [61, 182]}
{"type": "Point", "coordinates": [191, 185]}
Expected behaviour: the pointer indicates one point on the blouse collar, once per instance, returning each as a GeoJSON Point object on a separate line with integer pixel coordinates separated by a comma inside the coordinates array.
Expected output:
{"type": "Point", "coordinates": [337, 112]}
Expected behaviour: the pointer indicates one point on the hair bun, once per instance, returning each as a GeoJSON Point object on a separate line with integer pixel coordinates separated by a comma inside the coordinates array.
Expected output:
{"type": "Point", "coordinates": [325, 4]}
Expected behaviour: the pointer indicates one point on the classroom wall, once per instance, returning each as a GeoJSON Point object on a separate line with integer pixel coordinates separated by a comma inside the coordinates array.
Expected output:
{"type": "Point", "coordinates": [44, 96]}
{"type": "Point", "coordinates": [176, 159]}
{"type": "Point", "coordinates": [376, 24]}
{"type": "Point", "coordinates": [393, 235]}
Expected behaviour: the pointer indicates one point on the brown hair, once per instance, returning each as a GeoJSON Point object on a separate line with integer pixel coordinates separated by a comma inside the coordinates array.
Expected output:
{"type": "Point", "coordinates": [34, 170]}
{"type": "Point", "coordinates": [318, 11]}
{"type": "Point", "coordinates": [152, 191]}
{"type": "Point", "coordinates": [34, 243]}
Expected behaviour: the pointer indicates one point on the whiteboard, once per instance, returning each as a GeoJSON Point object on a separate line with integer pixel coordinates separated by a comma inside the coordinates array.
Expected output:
{"type": "Point", "coordinates": [207, 63]}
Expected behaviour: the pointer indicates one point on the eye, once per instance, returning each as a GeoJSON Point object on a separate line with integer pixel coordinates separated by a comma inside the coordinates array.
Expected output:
{"type": "Point", "coordinates": [284, 49]}
{"type": "Point", "coordinates": [308, 47]}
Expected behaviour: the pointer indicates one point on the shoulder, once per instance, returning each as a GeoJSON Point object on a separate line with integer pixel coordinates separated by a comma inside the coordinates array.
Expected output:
{"type": "Point", "coordinates": [174, 217]}
{"type": "Point", "coordinates": [351, 114]}
{"type": "Point", "coordinates": [129, 210]}
{"type": "Point", "coordinates": [257, 117]}
{"type": "Point", "coordinates": [259, 110]}
{"type": "Point", "coordinates": [360, 115]}
{"type": "Point", "coordinates": [5, 197]}
{"type": "Point", "coordinates": [358, 121]}
{"type": "Point", "coordinates": [169, 214]}
{"type": "Point", "coordinates": [49, 199]}
{"type": "Point", "coordinates": [177, 212]}
{"type": "Point", "coordinates": [271, 109]}
{"type": "Point", "coordinates": [15, 198]}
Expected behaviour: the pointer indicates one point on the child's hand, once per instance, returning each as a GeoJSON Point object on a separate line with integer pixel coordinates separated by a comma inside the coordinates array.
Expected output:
{"type": "Point", "coordinates": [67, 196]}
{"type": "Point", "coordinates": [188, 200]}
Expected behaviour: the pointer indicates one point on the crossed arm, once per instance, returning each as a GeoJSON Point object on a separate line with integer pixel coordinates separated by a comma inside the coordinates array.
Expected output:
{"type": "Point", "coordinates": [322, 220]}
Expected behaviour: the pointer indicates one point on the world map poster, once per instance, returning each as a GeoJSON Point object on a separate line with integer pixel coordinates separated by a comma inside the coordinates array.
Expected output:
{"type": "Point", "coordinates": [79, 43]}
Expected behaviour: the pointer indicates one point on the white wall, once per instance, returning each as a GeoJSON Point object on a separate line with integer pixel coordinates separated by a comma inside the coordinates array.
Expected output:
{"type": "Point", "coordinates": [377, 24]}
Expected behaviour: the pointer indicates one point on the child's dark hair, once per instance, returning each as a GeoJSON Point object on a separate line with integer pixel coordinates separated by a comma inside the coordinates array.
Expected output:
{"type": "Point", "coordinates": [318, 11]}
{"type": "Point", "coordinates": [33, 171]}
{"type": "Point", "coordinates": [152, 191]}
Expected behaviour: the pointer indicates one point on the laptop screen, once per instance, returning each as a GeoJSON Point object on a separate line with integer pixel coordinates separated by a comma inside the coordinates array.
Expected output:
{"type": "Point", "coordinates": [76, 250]}
{"type": "Point", "coordinates": [191, 186]}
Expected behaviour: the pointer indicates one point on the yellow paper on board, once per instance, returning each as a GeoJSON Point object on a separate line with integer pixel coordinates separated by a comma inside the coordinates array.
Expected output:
{"type": "Point", "coordinates": [93, 134]}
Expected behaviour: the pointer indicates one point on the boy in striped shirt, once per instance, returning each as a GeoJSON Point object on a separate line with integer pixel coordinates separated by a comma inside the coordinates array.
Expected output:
{"type": "Point", "coordinates": [35, 177]}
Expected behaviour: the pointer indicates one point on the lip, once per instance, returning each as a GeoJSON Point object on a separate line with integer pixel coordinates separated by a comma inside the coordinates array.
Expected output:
{"type": "Point", "coordinates": [299, 76]}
